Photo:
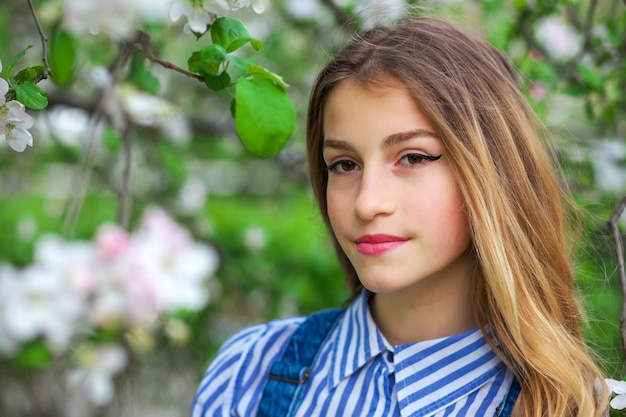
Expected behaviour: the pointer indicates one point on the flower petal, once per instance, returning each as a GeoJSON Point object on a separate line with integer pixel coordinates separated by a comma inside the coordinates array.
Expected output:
{"type": "Point", "coordinates": [198, 21]}
{"type": "Point", "coordinates": [17, 116]}
{"type": "Point", "coordinates": [18, 139]}
{"type": "Point", "coordinates": [618, 387]}
{"type": "Point", "coordinates": [258, 6]}
{"type": "Point", "coordinates": [4, 89]}
{"type": "Point", "coordinates": [179, 10]}
{"type": "Point", "coordinates": [619, 402]}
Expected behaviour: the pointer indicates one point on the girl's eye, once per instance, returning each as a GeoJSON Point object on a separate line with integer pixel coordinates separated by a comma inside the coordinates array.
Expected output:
{"type": "Point", "coordinates": [417, 158]}
{"type": "Point", "coordinates": [342, 166]}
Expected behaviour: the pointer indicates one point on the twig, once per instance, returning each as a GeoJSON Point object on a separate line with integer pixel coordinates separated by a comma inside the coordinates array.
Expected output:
{"type": "Point", "coordinates": [342, 17]}
{"type": "Point", "coordinates": [81, 180]}
{"type": "Point", "coordinates": [585, 27]}
{"type": "Point", "coordinates": [44, 39]}
{"type": "Point", "coordinates": [145, 42]}
{"type": "Point", "coordinates": [589, 21]}
{"type": "Point", "coordinates": [125, 199]}
{"type": "Point", "coordinates": [619, 249]}
{"type": "Point", "coordinates": [171, 66]}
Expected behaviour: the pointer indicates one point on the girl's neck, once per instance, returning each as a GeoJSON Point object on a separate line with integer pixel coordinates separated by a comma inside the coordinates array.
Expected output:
{"type": "Point", "coordinates": [430, 310]}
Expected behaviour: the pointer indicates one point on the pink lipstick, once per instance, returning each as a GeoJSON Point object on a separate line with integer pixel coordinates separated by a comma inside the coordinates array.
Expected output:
{"type": "Point", "coordinates": [377, 244]}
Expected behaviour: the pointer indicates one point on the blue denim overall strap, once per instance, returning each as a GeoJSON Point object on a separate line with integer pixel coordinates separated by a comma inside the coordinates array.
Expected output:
{"type": "Point", "coordinates": [283, 389]}
{"type": "Point", "coordinates": [505, 409]}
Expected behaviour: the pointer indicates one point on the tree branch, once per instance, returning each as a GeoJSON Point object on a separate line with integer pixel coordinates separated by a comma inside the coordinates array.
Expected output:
{"type": "Point", "coordinates": [125, 197]}
{"type": "Point", "coordinates": [44, 40]}
{"type": "Point", "coordinates": [619, 249]}
{"type": "Point", "coordinates": [584, 26]}
{"type": "Point", "coordinates": [145, 43]}
{"type": "Point", "coordinates": [81, 180]}
{"type": "Point", "coordinates": [342, 17]}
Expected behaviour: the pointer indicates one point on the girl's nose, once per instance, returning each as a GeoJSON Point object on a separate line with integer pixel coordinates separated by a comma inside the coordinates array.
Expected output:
{"type": "Point", "coordinates": [373, 198]}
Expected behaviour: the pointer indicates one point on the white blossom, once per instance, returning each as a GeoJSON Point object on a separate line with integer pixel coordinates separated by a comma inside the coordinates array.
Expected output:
{"type": "Point", "coordinates": [4, 87]}
{"type": "Point", "coordinates": [8, 344]}
{"type": "Point", "coordinates": [158, 269]}
{"type": "Point", "coordinates": [148, 110]}
{"type": "Point", "coordinates": [254, 238]}
{"type": "Point", "coordinates": [120, 278]}
{"type": "Point", "coordinates": [619, 388]}
{"type": "Point", "coordinates": [98, 365]}
{"type": "Point", "coordinates": [559, 39]}
{"type": "Point", "coordinates": [37, 303]}
{"type": "Point", "coordinates": [117, 19]}
{"type": "Point", "coordinates": [14, 121]}
{"type": "Point", "coordinates": [193, 195]}
{"type": "Point", "coordinates": [68, 124]}
{"type": "Point", "coordinates": [609, 172]}
{"type": "Point", "coordinates": [201, 13]}
{"type": "Point", "coordinates": [74, 264]}
{"type": "Point", "coordinates": [257, 5]}
{"type": "Point", "coordinates": [175, 264]}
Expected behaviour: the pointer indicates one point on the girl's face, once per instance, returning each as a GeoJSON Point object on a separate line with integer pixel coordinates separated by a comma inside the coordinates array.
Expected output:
{"type": "Point", "coordinates": [393, 201]}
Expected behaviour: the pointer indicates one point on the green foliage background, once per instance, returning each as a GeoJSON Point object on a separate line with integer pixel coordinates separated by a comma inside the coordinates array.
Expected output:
{"type": "Point", "coordinates": [293, 270]}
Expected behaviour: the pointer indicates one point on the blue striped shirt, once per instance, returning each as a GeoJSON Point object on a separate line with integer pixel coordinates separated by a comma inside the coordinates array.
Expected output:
{"type": "Point", "coordinates": [358, 373]}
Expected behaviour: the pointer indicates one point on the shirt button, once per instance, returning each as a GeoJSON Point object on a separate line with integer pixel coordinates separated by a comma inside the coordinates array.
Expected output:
{"type": "Point", "coordinates": [390, 356]}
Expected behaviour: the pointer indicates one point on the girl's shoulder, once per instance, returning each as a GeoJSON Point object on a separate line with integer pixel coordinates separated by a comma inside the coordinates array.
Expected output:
{"type": "Point", "coordinates": [264, 336]}
{"type": "Point", "coordinates": [236, 376]}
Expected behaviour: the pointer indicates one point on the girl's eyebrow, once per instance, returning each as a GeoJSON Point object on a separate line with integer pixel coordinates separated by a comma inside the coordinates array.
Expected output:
{"type": "Point", "coordinates": [388, 142]}
{"type": "Point", "coordinates": [396, 138]}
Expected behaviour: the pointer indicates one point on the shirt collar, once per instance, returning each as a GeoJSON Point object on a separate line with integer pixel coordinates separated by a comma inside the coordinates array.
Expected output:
{"type": "Point", "coordinates": [358, 341]}
{"type": "Point", "coordinates": [434, 374]}
{"type": "Point", "coordinates": [429, 375]}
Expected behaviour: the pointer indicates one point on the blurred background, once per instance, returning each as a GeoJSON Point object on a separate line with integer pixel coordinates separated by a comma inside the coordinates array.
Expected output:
{"type": "Point", "coordinates": [138, 233]}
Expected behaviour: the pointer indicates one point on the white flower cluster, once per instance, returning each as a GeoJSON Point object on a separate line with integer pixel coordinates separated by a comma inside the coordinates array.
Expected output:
{"type": "Point", "coordinates": [119, 279]}
{"type": "Point", "coordinates": [200, 13]}
{"type": "Point", "coordinates": [14, 121]}
{"type": "Point", "coordinates": [119, 19]}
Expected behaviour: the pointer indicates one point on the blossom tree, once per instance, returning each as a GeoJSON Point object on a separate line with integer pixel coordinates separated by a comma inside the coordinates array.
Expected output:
{"type": "Point", "coordinates": [97, 300]}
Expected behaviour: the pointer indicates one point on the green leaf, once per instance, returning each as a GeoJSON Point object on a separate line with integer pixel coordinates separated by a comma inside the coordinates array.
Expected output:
{"type": "Point", "coordinates": [29, 74]}
{"type": "Point", "coordinates": [577, 90]}
{"type": "Point", "coordinates": [142, 77]}
{"type": "Point", "coordinates": [233, 107]}
{"type": "Point", "coordinates": [207, 60]}
{"type": "Point", "coordinates": [31, 96]}
{"type": "Point", "coordinates": [195, 63]}
{"type": "Point", "coordinates": [265, 116]}
{"type": "Point", "coordinates": [217, 82]}
{"type": "Point", "coordinates": [111, 140]}
{"type": "Point", "coordinates": [239, 62]}
{"type": "Point", "coordinates": [213, 56]}
{"type": "Point", "coordinates": [543, 71]}
{"type": "Point", "coordinates": [258, 71]}
{"type": "Point", "coordinates": [519, 4]}
{"type": "Point", "coordinates": [591, 78]}
{"type": "Point", "coordinates": [34, 355]}
{"type": "Point", "coordinates": [62, 57]}
{"type": "Point", "coordinates": [8, 68]}
{"type": "Point", "coordinates": [231, 34]}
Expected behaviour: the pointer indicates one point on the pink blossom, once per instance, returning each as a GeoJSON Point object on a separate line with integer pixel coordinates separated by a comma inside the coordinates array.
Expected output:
{"type": "Point", "coordinates": [538, 91]}
{"type": "Point", "coordinates": [112, 241]}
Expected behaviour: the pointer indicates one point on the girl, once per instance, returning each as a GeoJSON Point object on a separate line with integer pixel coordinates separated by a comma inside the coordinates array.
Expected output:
{"type": "Point", "coordinates": [447, 217]}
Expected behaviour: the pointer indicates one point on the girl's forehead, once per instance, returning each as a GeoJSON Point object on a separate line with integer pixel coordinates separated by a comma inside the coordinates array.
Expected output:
{"type": "Point", "coordinates": [357, 106]}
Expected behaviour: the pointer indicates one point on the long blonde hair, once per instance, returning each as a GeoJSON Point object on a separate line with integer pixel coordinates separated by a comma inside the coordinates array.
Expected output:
{"type": "Point", "coordinates": [515, 206]}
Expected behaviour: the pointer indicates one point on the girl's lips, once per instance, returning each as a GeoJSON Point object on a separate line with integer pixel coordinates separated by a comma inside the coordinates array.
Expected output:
{"type": "Point", "coordinates": [377, 244]}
